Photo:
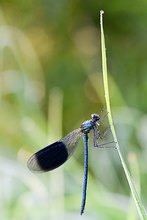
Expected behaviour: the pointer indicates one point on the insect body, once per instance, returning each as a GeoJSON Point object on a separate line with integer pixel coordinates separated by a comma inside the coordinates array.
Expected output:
{"type": "Point", "coordinates": [54, 155]}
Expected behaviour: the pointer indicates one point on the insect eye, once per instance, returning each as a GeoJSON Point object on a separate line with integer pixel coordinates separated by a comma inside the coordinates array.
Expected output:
{"type": "Point", "coordinates": [95, 117]}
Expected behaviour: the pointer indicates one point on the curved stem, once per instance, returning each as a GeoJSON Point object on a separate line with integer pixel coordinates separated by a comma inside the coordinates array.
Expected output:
{"type": "Point", "coordinates": [135, 195]}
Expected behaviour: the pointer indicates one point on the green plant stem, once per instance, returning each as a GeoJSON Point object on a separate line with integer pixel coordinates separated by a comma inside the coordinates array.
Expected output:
{"type": "Point", "coordinates": [136, 197]}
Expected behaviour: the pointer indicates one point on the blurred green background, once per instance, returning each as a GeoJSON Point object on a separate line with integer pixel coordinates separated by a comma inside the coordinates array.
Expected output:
{"type": "Point", "coordinates": [50, 82]}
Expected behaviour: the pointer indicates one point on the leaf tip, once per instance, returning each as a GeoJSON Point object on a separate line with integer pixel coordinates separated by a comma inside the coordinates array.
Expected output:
{"type": "Point", "coordinates": [101, 12]}
{"type": "Point", "coordinates": [101, 16]}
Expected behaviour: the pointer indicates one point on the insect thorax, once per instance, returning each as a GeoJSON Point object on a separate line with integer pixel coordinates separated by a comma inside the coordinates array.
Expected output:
{"type": "Point", "coordinates": [86, 126]}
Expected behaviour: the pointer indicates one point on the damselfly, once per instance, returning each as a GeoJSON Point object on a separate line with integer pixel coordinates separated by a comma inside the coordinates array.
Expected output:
{"type": "Point", "coordinates": [54, 155]}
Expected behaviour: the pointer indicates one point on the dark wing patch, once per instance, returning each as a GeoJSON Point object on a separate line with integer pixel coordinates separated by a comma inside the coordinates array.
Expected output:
{"type": "Point", "coordinates": [48, 158]}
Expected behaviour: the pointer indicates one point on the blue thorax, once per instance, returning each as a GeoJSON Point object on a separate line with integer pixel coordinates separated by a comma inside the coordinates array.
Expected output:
{"type": "Point", "coordinates": [86, 126]}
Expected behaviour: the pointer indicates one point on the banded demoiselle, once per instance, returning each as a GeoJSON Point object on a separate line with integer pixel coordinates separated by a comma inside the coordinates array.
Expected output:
{"type": "Point", "coordinates": [55, 154]}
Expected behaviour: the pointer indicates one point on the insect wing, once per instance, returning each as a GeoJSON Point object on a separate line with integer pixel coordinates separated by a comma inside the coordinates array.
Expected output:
{"type": "Point", "coordinates": [54, 155]}
{"type": "Point", "coordinates": [71, 140]}
{"type": "Point", "coordinates": [96, 135]}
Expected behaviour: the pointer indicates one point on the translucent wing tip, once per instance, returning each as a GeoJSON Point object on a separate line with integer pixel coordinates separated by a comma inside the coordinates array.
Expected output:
{"type": "Point", "coordinates": [33, 165]}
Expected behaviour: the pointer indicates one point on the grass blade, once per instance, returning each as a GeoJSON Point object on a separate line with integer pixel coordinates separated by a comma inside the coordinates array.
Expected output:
{"type": "Point", "coordinates": [136, 197]}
